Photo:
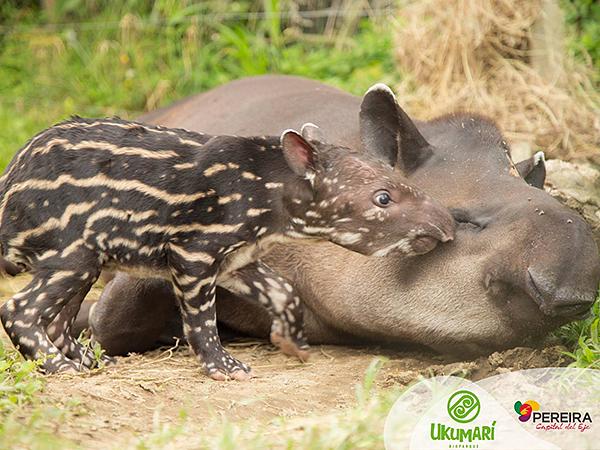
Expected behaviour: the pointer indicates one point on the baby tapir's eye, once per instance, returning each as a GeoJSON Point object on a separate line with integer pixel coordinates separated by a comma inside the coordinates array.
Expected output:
{"type": "Point", "coordinates": [382, 199]}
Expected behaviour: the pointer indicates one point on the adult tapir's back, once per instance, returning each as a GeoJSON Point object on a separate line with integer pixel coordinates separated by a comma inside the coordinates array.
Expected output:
{"type": "Point", "coordinates": [256, 111]}
{"type": "Point", "coordinates": [520, 264]}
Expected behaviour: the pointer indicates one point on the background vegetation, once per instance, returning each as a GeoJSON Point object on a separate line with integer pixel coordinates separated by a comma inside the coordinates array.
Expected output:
{"type": "Point", "coordinates": [583, 17]}
{"type": "Point", "coordinates": [101, 58]}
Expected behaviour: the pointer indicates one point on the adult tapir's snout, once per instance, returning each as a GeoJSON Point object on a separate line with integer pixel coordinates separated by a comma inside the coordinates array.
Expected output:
{"type": "Point", "coordinates": [566, 284]}
{"type": "Point", "coordinates": [549, 252]}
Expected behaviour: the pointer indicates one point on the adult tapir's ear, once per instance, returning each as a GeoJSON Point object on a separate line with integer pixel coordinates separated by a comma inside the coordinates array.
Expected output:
{"type": "Point", "coordinates": [299, 153]}
{"type": "Point", "coordinates": [388, 133]}
{"type": "Point", "coordinates": [311, 132]}
{"type": "Point", "coordinates": [533, 170]}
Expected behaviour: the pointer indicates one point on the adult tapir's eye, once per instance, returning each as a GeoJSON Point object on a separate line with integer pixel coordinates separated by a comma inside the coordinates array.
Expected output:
{"type": "Point", "coordinates": [382, 198]}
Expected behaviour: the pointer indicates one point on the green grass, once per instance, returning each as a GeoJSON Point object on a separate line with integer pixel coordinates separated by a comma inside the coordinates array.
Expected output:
{"type": "Point", "coordinates": [25, 421]}
{"type": "Point", "coordinates": [128, 57]}
{"type": "Point", "coordinates": [583, 20]}
{"type": "Point", "coordinates": [19, 380]}
{"type": "Point", "coordinates": [583, 338]}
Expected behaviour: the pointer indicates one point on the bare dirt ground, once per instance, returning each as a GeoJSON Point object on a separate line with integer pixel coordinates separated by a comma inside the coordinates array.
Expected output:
{"type": "Point", "coordinates": [118, 403]}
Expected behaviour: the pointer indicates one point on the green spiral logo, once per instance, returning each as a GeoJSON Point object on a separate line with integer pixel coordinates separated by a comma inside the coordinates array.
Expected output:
{"type": "Point", "coordinates": [463, 406]}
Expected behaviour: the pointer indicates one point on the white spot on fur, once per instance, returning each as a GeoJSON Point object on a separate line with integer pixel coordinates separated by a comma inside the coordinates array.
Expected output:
{"type": "Point", "coordinates": [347, 238]}
{"type": "Point", "coordinates": [317, 230]}
{"type": "Point", "coordinates": [403, 245]}
{"type": "Point", "coordinates": [229, 198]}
{"type": "Point", "coordinates": [235, 285]}
{"type": "Point", "coordinates": [254, 212]}
{"type": "Point", "coordinates": [250, 176]}
{"type": "Point", "coordinates": [184, 166]}
{"type": "Point", "coordinates": [278, 299]}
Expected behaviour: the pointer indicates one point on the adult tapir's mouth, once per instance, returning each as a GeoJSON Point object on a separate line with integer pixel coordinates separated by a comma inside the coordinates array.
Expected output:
{"type": "Point", "coordinates": [551, 303]}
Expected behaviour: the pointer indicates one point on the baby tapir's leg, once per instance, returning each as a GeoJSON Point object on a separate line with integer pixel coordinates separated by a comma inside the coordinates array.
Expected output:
{"type": "Point", "coordinates": [60, 333]}
{"type": "Point", "coordinates": [194, 282]}
{"type": "Point", "coordinates": [259, 282]}
{"type": "Point", "coordinates": [27, 315]}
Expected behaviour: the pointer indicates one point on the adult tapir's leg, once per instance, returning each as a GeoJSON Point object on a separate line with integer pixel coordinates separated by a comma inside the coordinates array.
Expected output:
{"type": "Point", "coordinates": [258, 282]}
{"type": "Point", "coordinates": [133, 315]}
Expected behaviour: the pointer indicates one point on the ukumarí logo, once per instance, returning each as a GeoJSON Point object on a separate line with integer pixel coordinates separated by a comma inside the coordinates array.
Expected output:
{"type": "Point", "coordinates": [552, 420]}
{"type": "Point", "coordinates": [463, 407]}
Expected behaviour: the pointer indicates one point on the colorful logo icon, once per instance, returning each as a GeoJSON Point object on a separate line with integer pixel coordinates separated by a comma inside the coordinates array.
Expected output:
{"type": "Point", "coordinates": [463, 406]}
{"type": "Point", "coordinates": [525, 409]}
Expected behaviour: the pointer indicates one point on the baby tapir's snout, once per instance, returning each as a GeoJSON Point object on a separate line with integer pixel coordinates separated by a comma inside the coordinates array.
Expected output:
{"type": "Point", "coordinates": [433, 224]}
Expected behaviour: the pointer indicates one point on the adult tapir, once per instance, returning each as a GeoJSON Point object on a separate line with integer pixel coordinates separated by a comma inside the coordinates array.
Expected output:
{"type": "Point", "coordinates": [521, 263]}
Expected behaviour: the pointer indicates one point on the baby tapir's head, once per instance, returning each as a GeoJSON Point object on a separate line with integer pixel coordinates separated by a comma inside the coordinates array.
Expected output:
{"type": "Point", "coordinates": [359, 200]}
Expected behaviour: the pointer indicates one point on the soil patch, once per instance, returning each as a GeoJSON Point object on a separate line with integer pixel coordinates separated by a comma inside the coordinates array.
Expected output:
{"type": "Point", "coordinates": [118, 403]}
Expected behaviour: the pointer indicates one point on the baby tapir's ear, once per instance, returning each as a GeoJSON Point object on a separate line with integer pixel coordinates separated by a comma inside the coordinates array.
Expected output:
{"type": "Point", "coordinates": [388, 133]}
{"type": "Point", "coordinates": [299, 153]}
{"type": "Point", "coordinates": [311, 132]}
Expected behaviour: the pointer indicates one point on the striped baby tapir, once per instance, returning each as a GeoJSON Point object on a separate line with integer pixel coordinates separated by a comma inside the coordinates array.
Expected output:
{"type": "Point", "coordinates": [199, 210]}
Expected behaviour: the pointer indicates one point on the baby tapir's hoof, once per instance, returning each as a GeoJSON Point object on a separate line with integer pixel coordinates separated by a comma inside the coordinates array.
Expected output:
{"type": "Point", "coordinates": [289, 347]}
{"type": "Point", "coordinates": [50, 367]}
{"type": "Point", "coordinates": [226, 367]}
{"type": "Point", "coordinates": [107, 361]}
{"type": "Point", "coordinates": [60, 364]}
{"type": "Point", "coordinates": [238, 375]}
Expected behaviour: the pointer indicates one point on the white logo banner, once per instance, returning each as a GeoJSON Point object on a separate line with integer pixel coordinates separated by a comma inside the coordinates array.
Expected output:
{"type": "Point", "coordinates": [550, 408]}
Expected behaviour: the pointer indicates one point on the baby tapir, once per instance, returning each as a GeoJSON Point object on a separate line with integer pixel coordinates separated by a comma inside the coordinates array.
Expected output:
{"type": "Point", "coordinates": [167, 203]}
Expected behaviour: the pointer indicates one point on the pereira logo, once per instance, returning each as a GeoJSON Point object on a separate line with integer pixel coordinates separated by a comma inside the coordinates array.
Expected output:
{"type": "Point", "coordinates": [553, 420]}
{"type": "Point", "coordinates": [526, 409]}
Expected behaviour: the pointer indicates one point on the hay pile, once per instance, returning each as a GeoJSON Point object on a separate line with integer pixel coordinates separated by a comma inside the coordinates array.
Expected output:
{"type": "Point", "coordinates": [497, 57]}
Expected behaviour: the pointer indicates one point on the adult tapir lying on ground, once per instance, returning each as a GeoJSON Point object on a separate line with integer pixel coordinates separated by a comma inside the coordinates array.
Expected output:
{"type": "Point", "coordinates": [520, 265]}
{"type": "Point", "coordinates": [194, 210]}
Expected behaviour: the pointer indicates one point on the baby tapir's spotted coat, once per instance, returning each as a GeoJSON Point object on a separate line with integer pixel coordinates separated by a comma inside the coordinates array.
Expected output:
{"type": "Point", "coordinates": [195, 209]}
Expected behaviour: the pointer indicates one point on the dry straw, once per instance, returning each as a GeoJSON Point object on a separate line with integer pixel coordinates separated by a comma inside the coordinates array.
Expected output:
{"type": "Point", "coordinates": [504, 58]}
